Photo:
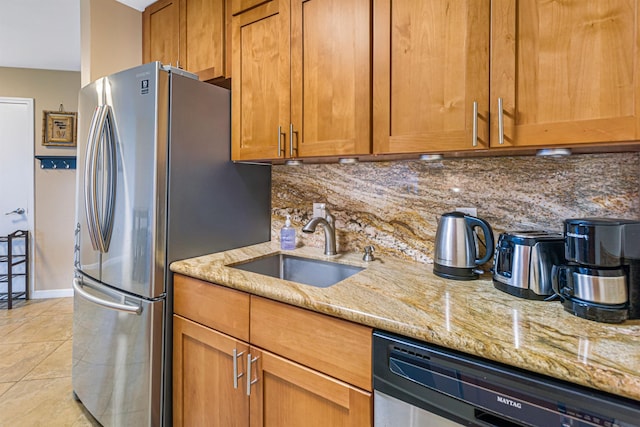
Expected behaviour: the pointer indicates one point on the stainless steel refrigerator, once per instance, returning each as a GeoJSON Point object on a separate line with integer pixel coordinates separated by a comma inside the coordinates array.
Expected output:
{"type": "Point", "coordinates": [155, 184]}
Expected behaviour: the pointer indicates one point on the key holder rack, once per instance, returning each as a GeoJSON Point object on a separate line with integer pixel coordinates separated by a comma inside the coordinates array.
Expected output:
{"type": "Point", "coordinates": [57, 162]}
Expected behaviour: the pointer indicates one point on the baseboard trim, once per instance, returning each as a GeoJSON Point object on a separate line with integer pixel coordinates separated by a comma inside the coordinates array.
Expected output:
{"type": "Point", "coordinates": [54, 293]}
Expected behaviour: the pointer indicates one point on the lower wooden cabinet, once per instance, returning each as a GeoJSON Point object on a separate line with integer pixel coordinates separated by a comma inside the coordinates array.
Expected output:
{"type": "Point", "coordinates": [289, 394]}
{"type": "Point", "coordinates": [203, 386]}
{"type": "Point", "coordinates": [221, 380]}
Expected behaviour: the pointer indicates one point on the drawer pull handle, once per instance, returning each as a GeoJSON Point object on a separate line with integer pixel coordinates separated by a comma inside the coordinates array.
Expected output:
{"type": "Point", "coordinates": [250, 382]}
{"type": "Point", "coordinates": [500, 122]}
{"type": "Point", "coordinates": [236, 375]}
{"type": "Point", "coordinates": [281, 149]}
{"type": "Point", "coordinates": [474, 136]}
{"type": "Point", "coordinates": [291, 148]}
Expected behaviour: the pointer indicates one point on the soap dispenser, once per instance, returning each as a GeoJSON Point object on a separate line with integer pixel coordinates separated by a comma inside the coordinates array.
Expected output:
{"type": "Point", "coordinates": [287, 235]}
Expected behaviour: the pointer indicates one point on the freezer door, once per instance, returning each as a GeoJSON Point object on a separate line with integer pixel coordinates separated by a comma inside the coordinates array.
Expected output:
{"type": "Point", "coordinates": [122, 183]}
{"type": "Point", "coordinates": [117, 355]}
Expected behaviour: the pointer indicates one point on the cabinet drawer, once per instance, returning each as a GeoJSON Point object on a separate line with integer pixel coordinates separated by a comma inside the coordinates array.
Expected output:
{"type": "Point", "coordinates": [217, 307]}
{"type": "Point", "coordinates": [335, 347]}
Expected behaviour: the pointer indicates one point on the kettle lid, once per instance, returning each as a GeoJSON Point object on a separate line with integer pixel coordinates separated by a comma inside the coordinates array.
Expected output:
{"type": "Point", "coordinates": [455, 214]}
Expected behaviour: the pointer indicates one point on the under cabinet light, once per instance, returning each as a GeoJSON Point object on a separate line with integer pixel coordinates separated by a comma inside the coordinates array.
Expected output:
{"type": "Point", "coordinates": [430, 157]}
{"type": "Point", "coordinates": [348, 160]}
{"type": "Point", "coordinates": [554, 152]}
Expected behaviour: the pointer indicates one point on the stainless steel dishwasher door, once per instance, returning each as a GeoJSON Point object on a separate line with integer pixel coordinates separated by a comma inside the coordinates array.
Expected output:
{"type": "Point", "coordinates": [392, 412]}
{"type": "Point", "coordinates": [419, 384]}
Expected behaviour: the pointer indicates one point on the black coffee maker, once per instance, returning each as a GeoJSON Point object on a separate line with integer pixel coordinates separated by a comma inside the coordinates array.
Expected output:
{"type": "Point", "coordinates": [601, 281]}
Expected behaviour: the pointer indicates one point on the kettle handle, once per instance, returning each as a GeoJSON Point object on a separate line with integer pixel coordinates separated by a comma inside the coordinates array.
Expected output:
{"type": "Point", "coordinates": [473, 222]}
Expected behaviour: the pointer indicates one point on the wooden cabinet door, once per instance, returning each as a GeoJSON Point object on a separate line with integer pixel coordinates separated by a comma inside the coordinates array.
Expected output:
{"type": "Point", "coordinates": [160, 32]}
{"type": "Point", "coordinates": [288, 394]}
{"type": "Point", "coordinates": [567, 72]}
{"type": "Point", "coordinates": [203, 35]}
{"type": "Point", "coordinates": [330, 77]}
{"type": "Point", "coordinates": [260, 83]}
{"type": "Point", "coordinates": [431, 63]}
{"type": "Point", "coordinates": [203, 386]}
{"type": "Point", "coordinates": [239, 6]}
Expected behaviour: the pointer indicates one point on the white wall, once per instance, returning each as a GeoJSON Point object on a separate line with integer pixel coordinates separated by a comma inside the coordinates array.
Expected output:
{"type": "Point", "coordinates": [111, 38]}
{"type": "Point", "coordinates": [54, 189]}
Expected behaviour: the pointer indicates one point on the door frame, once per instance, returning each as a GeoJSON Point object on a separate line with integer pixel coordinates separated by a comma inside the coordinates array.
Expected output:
{"type": "Point", "coordinates": [30, 208]}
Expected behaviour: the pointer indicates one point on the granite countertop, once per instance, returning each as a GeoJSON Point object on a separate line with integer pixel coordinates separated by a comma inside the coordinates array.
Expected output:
{"type": "Point", "coordinates": [470, 316]}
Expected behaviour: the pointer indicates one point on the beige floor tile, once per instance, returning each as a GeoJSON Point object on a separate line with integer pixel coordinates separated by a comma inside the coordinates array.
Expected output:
{"type": "Point", "coordinates": [63, 306]}
{"type": "Point", "coordinates": [42, 328]}
{"type": "Point", "coordinates": [56, 365]}
{"type": "Point", "coordinates": [40, 403]}
{"type": "Point", "coordinates": [8, 325]}
{"type": "Point", "coordinates": [29, 308]}
{"type": "Point", "coordinates": [17, 360]}
{"type": "Point", "coordinates": [4, 387]}
{"type": "Point", "coordinates": [85, 421]}
{"type": "Point", "coordinates": [36, 351]}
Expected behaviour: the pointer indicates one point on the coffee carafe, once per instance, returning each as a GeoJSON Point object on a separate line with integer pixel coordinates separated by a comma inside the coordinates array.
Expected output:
{"type": "Point", "coordinates": [601, 280]}
{"type": "Point", "coordinates": [456, 246]}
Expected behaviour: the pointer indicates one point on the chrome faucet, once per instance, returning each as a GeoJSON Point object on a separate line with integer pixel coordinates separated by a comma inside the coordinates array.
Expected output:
{"type": "Point", "coordinates": [328, 223]}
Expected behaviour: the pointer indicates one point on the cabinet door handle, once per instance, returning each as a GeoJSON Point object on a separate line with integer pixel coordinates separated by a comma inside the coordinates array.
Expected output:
{"type": "Point", "coordinates": [474, 135]}
{"type": "Point", "coordinates": [280, 147]}
{"type": "Point", "coordinates": [500, 122]}
{"type": "Point", "coordinates": [236, 375]}
{"type": "Point", "coordinates": [291, 132]}
{"type": "Point", "coordinates": [250, 381]}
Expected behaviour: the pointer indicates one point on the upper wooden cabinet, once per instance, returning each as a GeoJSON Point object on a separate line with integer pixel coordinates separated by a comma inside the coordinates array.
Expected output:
{"type": "Point", "coordinates": [564, 73]}
{"type": "Point", "coordinates": [260, 83]}
{"type": "Point", "coordinates": [239, 6]}
{"type": "Point", "coordinates": [431, 66]}
{"type": "Point", "coordinates": [160, 30]}
{"type": "Point", "coordinates": [191, 34]}
{"type": "Point", "coordinates": [301, 79]}
{"type": "Point", "coordinates": [567, 72]}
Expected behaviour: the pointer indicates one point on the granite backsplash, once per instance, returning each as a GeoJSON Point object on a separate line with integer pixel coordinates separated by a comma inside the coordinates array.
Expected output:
{"type": "Point", "coordinates": [394, 206]}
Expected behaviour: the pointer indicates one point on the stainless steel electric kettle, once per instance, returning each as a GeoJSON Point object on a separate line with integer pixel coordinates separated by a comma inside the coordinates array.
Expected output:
{"type": "Point", "coordinates": [456, 246]}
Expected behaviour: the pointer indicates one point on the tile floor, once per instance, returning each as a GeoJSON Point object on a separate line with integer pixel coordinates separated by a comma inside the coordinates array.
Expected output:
{"type": "Point", "coordinates": [35, 366]}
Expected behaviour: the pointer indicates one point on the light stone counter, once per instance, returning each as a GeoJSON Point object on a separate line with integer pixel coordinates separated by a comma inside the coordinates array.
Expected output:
{"type": "Point", "coordinates": [473, 317]}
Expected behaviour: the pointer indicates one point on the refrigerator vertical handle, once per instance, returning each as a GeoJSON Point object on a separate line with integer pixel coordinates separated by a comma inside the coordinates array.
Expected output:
{"type": "Point", "coordinates": [102, 141]}
{"type": "Point", "coordinates": [112, 173]}
{"type": "Point", "coordinates": [90, 191]}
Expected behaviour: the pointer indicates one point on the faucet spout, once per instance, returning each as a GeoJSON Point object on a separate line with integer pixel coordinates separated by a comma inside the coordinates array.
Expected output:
{"type": "Point", "coordinates": [329, 232]}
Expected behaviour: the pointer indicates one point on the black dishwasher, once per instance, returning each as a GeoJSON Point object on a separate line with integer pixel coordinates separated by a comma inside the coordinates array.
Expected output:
{"type": "Point", "coordinates": [418, 385]}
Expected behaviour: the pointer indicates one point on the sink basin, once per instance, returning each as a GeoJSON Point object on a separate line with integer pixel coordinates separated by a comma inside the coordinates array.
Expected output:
{"type": "Point", "coordinates": [321, 274]}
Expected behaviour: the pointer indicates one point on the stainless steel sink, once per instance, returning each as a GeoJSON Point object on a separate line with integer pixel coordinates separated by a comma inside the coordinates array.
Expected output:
{"type": "Point", "coordinates": [321, 274]}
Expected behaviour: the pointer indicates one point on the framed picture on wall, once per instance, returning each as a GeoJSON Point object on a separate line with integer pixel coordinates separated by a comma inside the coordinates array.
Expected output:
{"type": "Point", "coordinates": [59, 128]}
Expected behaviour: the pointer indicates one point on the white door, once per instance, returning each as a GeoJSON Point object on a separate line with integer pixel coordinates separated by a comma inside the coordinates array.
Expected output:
{"type": "Point", "coordinates": [16, 177]}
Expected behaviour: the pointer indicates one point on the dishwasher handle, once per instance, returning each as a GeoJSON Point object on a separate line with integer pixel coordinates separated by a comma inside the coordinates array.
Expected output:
{"type": "Point", "coordinates": [131, 309]}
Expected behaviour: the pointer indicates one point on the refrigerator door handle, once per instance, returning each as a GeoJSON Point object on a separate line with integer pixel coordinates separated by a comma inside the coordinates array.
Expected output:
{"type": "Point", "coordinates": [131, 309]}
{"type": "Point", "coordinates": [102, 129]}
{"type": "Point", "coordinates": [112, 173]}
{"type": "Point", "coordinates": [90, 190]}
